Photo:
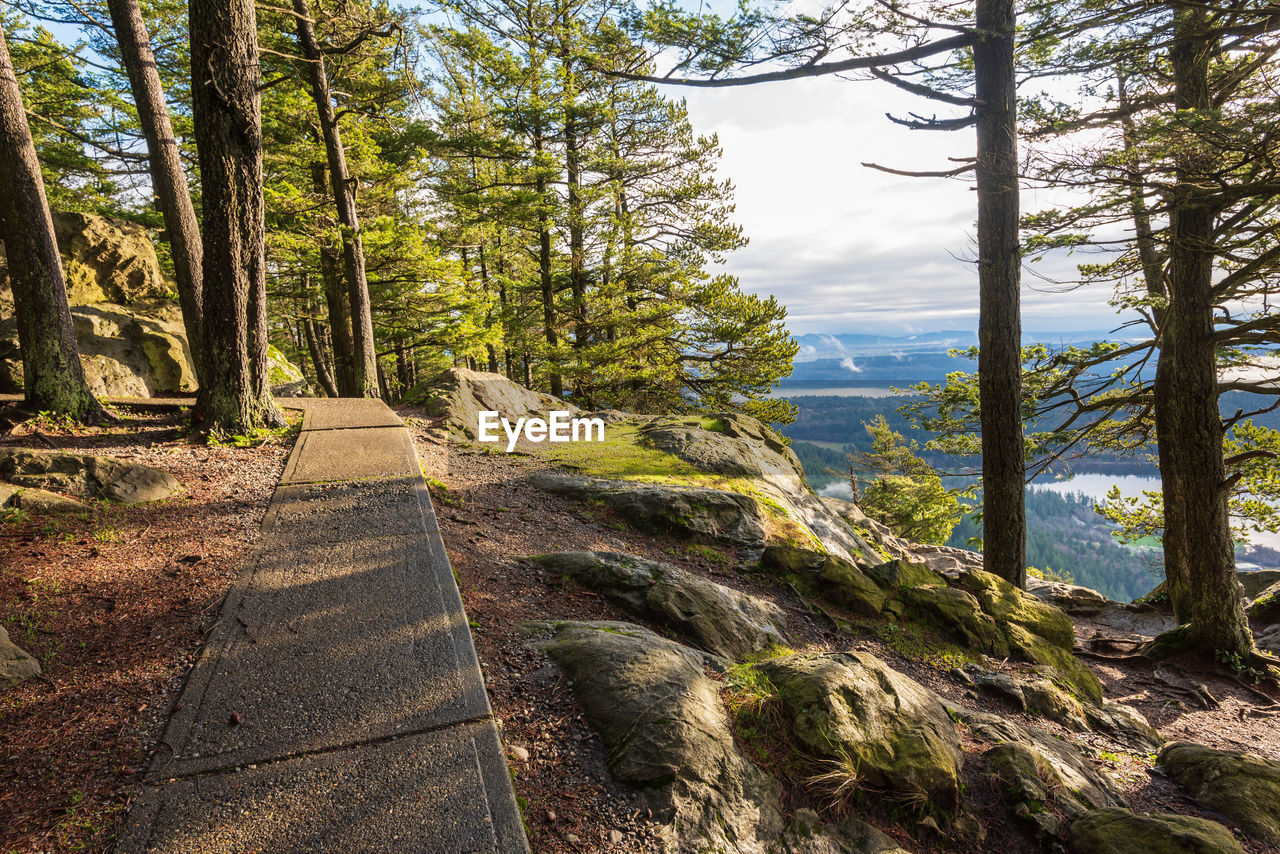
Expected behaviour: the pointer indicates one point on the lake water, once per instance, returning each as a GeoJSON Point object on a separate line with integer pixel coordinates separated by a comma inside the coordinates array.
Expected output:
{"type": "Point", "coordinates": [1095, 487]}
{"type": "Point", "coordinates": [836, 391]}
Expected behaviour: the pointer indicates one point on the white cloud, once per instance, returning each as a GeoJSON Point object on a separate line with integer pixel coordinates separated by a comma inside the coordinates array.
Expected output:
{"type": "Point", "coordinates": [850, 366]}
{"type": "Point", "coordinates": [847, 248]}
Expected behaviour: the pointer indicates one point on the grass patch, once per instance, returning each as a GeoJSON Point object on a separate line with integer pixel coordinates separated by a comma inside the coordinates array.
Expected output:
{"type": "Point", "coordinates": [625, 455]}
{"type": "Point", "coordinates": [919, 642]}
{"type": "Point", "coordinates": [710, 554]}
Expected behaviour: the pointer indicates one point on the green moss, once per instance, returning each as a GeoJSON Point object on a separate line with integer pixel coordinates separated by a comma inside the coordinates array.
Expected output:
{"type": "Point", "coordinates": [1073, 674]}
{"type": "Point", "coordinates": [1005, 602]}
{"type": "Point", "coordinates": [712, 425]}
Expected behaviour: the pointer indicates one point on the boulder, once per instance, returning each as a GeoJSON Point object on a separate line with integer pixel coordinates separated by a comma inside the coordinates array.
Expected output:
{"type": "Point", "coordinates": [1125, 724]}
{"type": "Point", "coordinates": [696, 513]}
{"type": "Point", "coordinates": [730, 444]}
{"type": "Point", "coordinates": [138, 350]}
{"type": "Point", "coordinates": [888, 729]}
{"type": "Point", "coordinates": [286, 378]}
{"type": "Point", "coordinates": [1007, 603]}
{"type": "Point", "coordinates": [127, 322]}
{"type": "Point", "coordinates": [956, 614]}
{"type": "Point", "coordinates": [667, 735]}
{"type": "Point", "coordinates": [37, 500]}
{"type": "Point", "coordinates": [1073, 599]}
{"type": "Point", "coordinates": [945, 560]}
{"type": "Point", "coordinates": [16, 664]}
{"type": "Point", "coordinates": [1028, 646]}
{"type": "Point", "coordinates": [104, 260]}
{"type": "Point", "coordinates": [1132, 618]}
{"type": "Point", "coordinates": [1265, 608]}
{"type": "Point", "coordinates": [901, 573]}
{"type": "Point", "coordinates": [1268, 639]}
{"type": "Point", "coordinates": [1254, 581]}
{"type": "Point", "coordinates": [1113, 830]}
{"type": "Point", "coordinates": [875, 533]}
{"type": "Point", "coordinates": [460, 395]}
{"type": "Point", "coordinates": [828, 576]}
{"type": "Point", "coordinates": [713, 617]}
{"type": "Point", "coordinates": [86, 476]}
{"type": "Point", "coordinates": [1241, 786]}
{"type": "Point", "coordinates": [1038, 769]}
{"type": "Point", "coordinates": [808, 835]}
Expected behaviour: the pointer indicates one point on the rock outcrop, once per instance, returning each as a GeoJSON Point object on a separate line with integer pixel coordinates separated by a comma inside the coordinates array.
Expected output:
{"type": "Point", "coordinates": [886, 729]}
{"type": "Point", "coordinates": [128, 325]}
{"type": "Point", "coordinates": [459, 396]}
{"type": "Point", "coordinates": [139, 350]}
{"type": "Point", "coordinates": [104, 260]}
{"type": "Point", "coordinates": [1244, 787]}
{"type": "Point", "coordinates": [86, 476]}
{"type": "Point", "coordinates": [713, 617]}
{"type": "Point", "coordinates": [807, 835]}
{"type": "Point", "coordinates": [1117, 831]}
{"type": "Point", "coordinates": [666, 734]}
{"type": "Point", "coordinates": [828, 576]}
{"type": "Point", "coordinates": [36, 500]}
{"type": "Point", "coordinates": [15, 663]}
{"type": "Point", "coordinates": [696, 513]}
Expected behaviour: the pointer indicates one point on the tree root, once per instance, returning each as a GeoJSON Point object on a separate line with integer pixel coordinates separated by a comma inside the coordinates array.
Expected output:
{"type": "Point", "coordinates": [1177, 678]}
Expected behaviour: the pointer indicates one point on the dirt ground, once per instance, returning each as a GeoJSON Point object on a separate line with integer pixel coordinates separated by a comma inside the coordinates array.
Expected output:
{"type": "Point", "coordinates": [490, 517]}
{"type": "Point", "coordinates": [114, 602]}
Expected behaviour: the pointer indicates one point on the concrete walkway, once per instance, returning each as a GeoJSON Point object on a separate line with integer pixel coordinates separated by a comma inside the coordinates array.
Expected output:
{"type": "Point", "coordinates": [337, 705]}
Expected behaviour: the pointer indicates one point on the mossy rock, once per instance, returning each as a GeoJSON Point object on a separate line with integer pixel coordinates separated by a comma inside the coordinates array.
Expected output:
{"type": "Point", "coordinates": [828, 576]}
{"type": "Point", "coordinates": [1026, 646]}
{"type": "Point", "coordinates": [1046, 700]}
{"type": "Point", "coordinates": [1266, 608]}
{"type": "Point", "coordinates": [897, 574]}
{"type": "Point", "coordinates": [1006, 602]}
{"type": "Point", "coordinates": [1242, 786]}
{"type": "Point", "coordinates": [956, 614]}
{"type": "Point", "coordinates": [886, 729]}
{"type": "Point", "coordinates": [716, 618]}
{"type": "Point", "coordinates": [1114, 830]}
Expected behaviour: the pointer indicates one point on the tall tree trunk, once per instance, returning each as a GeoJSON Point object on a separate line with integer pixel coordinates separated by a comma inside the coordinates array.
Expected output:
{"type": "Point", "coordinates": [315, 344]}
{"type": "Point", "coordinates": [403, 374]}
{"type": "Point", "coordinates": [1199, 512]}
{"type": "Point", "coordinates": [1163, 387]}
{"type": "Point", "coordinates": [228, 129]}
{"type": "Point", "coordinates": [53, 378]}
{"type": "Point", "coordinates": [544, 277]}
{"type": "Point", "coordinates": [365, 359]}
{"type": "Point", "coordinates": [336, 301]}
{"type": "Point", "coordinates": [577, 242]}
{"type": "Point", "coordinates": [168, 181]}
{"type": "Point", "coordinates": [999, 279]}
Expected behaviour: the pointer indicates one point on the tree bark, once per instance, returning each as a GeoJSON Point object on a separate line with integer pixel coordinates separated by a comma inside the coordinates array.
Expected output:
{"type": "Point", "coordinates": [999, 281]}
{"type": "Point", "coordinates": [336, 301]}
{"type": "Point", "coordinates": [544, 277]}
{"type": "Point", "coordinates": [1163, 386]}
{"type": "Point", "coordinates": [1198, 516]}
{"type": "Point", "coordinates": [365, 359]}
{"type": "Point", "coordinates": [168, 180]}
{"type": "Point", "coordinates": [227, 111]}
{"type": "Point", "coordinates": [52, 375]}
{"type": "Point", "coordinates": [315, 345]}
{"type": "Point", "coordinates": [577, 242]}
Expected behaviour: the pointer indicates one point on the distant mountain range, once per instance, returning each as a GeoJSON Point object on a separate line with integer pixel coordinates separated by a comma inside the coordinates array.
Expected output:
{"type": "Point", "coordinates": [865, 359]}
{"type": "Point", "coordinates": [815, 346]}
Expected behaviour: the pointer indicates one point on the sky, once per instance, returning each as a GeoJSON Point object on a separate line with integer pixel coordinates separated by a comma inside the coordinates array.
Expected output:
{"type": "Point", "coordinates": [850, 249]}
